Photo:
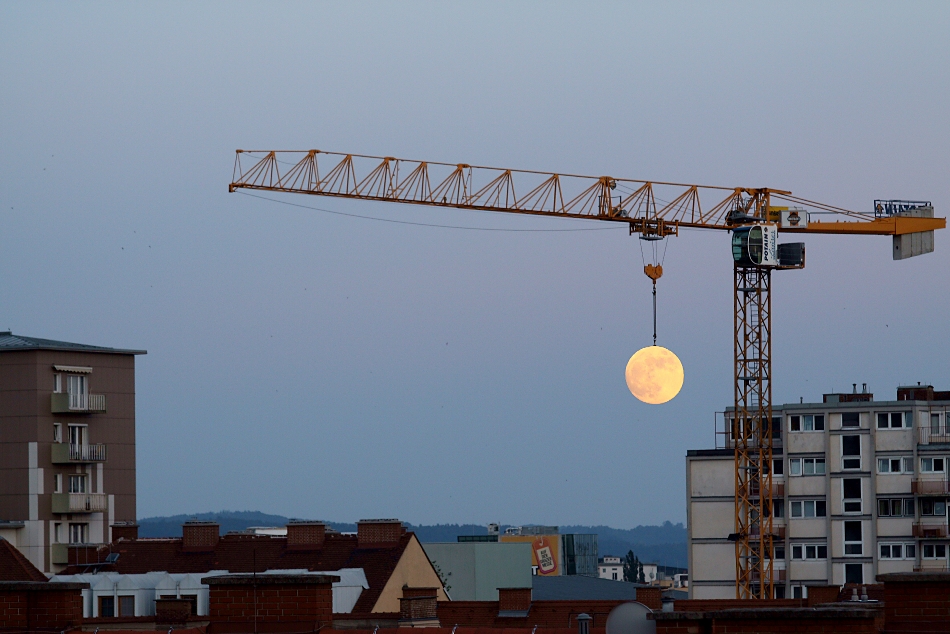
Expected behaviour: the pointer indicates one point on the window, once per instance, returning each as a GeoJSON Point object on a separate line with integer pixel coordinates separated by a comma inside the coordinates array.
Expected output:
{"type": "Point", "coordinates": [897, 551]}
{"type": "Point", "coordinates": [106, 606]}
{"type": "Point", "coordinates": [809, 551]}
{"type": "Point", "coordinates": [799, 592]}
{"type": "Point", "coordinates": [57, 483]}
{"type": "Point", "coordinates": [895, 507]}
{"type": "Point", "coordinates": [57, 432]}
{"type": "Point", "coordinates": [806, 466]}
{"type": "Point", "coordinates": [851, 452]}
{"type": "Point", "coordinates": [853, 573]}
{"type": "Point", "coordinates": [778, 466]}
{"type": "Point", "coordinates": [77, 435]}
{"type": "Point", "coordinates": [615, 576]}
{"type": "Point", "coordinates": [931, 465]}
{"type": "Point", "coordinates": [127, 606]}
{"type": "Point", "coordinates": [57, 533]}
{"type": "Point", "coordinates": [77, 484]}
{"type": "Point", "coordinates": [58, 383]}
{"type": "Point", "coordinates": [779, 552]}
{"type": "Point", "coordinates": [78, 533]}
{"type": "Point", "coordinates": [935, 423]}
{"type": "Point", "coordinates": [809, 508]}
{"type": "Point", "coordinates": [933, 508]}
{"type": "Point", "coordinates": [808, 422]}
{"type": "Point", "coordinates": [895, 465]}
{"type": "Point", "coordinates": [778, 508]}
{"type": "Point", "coordinates": [852, 539]}
{"type": "Point", "coordinates": [851, 492]}
{"type": "Point", "coordinates": [934, 551]}
{"type": "Point", "coordinates": [894, 420]}
{"type": "Point", "coordinates": [850, 419]}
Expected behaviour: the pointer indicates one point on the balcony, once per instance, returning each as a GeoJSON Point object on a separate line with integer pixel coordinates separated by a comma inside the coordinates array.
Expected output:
{"type": "Point", "coordinates": [778, 532]}
{"type": "Point", "coordinates": [928, 530]}
{"type": "Point", "coordinates": [778, 490]}
{"type": "Point", "coordinates": [932, 566]}
{"type": "Point", "coordinates": [933, 435]}
{"type": "Point", "coordinates": [80, 503]}
{"type": "Point", "coordinates": [64, 453]}
{"type": "Point", "coordinates": [68, 554]}
{"type": "Point", "coordinates": [63, 403]}
{"type": "Point", "coordinates": [778, 575]}
{"type": "Point", "coordinates": [930, 487]}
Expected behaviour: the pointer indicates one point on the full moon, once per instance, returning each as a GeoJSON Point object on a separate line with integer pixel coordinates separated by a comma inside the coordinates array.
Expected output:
{"type": "Point", "coordinates": [654, 375]}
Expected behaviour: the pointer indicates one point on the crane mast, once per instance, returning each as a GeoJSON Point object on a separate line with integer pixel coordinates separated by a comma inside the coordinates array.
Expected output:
{"type": "Point", "coordinates": [654, 210]}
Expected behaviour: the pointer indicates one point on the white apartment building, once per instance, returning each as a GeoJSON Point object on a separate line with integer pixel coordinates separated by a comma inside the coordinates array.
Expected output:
{"type": "Point", "coordinates": [859, 489]}
{"type": "Point", "coordinates": [610, 568]}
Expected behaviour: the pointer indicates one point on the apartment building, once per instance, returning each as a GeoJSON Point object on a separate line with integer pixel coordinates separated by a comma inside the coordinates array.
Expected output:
{"type": "Point", "coordinates": [67, 445]}
{"type": "Point", "coordinates": [859, 489]}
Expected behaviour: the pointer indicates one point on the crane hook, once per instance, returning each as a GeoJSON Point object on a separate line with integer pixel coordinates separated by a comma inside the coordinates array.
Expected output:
{"type": "Point", "coordinates": [654, 273]}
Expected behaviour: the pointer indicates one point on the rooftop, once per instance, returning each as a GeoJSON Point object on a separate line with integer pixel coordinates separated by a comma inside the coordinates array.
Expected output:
{"type": "Point", "coordinates": [10, 341]}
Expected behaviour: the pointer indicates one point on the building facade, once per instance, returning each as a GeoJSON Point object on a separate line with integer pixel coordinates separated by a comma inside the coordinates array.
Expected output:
{"type": "Point", "coordinates": [67, 445]}
{"type": "Point", "coordinates": [859, 489]}
{"type": "Point", "coordinates": [610, 567]}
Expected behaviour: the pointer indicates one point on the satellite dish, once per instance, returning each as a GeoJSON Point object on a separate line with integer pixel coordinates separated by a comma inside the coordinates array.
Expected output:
{"type": "Point", "coordinates": [630, 618]}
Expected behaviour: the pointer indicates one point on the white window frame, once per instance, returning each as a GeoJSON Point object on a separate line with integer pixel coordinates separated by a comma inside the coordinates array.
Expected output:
{"type": "Point", "coordinates": [859, 501]}
{"type": "Point", "coordinates": [845, 459]}
{"type": "Point", "coordinates": [803, 507]}
{"type": "Point", "coordinates": [57, 432]}
{"type": "Point", "coordinates": [803, 548]}
{"type": "Point", "coordinates": [82, 431]}
{"type": "Point", "coordinates": [907, 420]}
{"type": "Point", "coordinates": [78, 477]}
{"type": "Point", "coordinates": [927, 465]}
{"type": "Point", "coordinates": [852, 544]}
{"type": "Point", "coordinates": [804, 421]}
{"type": "Point", "coordinates": [906, 503]}
{"type": "Point", "coordinates": [57, 383]}
{"type": "Point", "coordinates": [57, 483]}
{"type": "Point", "coordinates": [933, 548]}
{"type": "Point", "coordinates": [904, 547]}
{"type": "Point", "coordinates": [843, 426]}
{"type": "Point", "coordinates": [801, 466]}
{"type": "Point", "coordinates": [80, 530]}
{"type": "Point", "coordinates": [886, 465]}
{"type": "Point", "coordinates": [920, 507]}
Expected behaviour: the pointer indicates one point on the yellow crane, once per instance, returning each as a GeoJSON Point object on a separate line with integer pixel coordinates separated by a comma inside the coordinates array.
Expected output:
{"type": "Point", "coordinates": [653, 210]}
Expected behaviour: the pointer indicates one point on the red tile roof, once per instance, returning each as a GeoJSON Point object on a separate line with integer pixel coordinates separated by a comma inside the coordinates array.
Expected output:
{"type": "Point", "coordinates": [15, 567]}
{"type": "Point", "coordinates": [257, 553]}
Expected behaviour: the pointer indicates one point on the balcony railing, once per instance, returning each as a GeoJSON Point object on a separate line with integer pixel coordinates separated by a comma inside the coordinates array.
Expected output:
{"type": "Point", "coordinates": [63, 453]}
{"type": "Point", "coordinates": [778, 574]}
{"type": "Point", "coordinates": [778, 489]}
{"type": "Point", "coordinates": [80, 503]}
{"type": "Point", "coordinates": [933, 434]}
{"type": "Point", "coordinates": [778, 532]}
{"type": "Point", "coordinates": [930, 487]}
{"type": "Point", "coordinates": [64, 403]}
{"type": "Point", "coordinates": [930, 530]}
{"type": "Point", "coordinates": [932, 566]}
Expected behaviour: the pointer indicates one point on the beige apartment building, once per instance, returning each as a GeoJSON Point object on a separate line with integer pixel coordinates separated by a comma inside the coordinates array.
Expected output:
{"type": "Point", "coordinates": [67, 445]}
{"type": "Point", "coordinates": [859, 487]}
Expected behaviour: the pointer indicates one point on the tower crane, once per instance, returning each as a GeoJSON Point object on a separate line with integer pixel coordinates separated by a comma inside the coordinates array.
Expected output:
{"type": "Point", "coordinates": [654, 210]}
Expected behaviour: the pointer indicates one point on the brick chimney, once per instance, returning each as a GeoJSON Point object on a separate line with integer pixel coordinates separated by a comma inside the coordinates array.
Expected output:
{"type": "Point", "coordinates": [306, 535]}
{"type": "Point", "coordinates": [379, 533]}
{"type": "Point", "coordinates": [125, 530]}
{"type": "Point", "coordinates": [514, 599]}
{"type": "Point", "coordinates": [199, 536]}
{"type": "Point", "coordinates": [418, 607]}
{"type": "Point", "coordinates": [650, 596]}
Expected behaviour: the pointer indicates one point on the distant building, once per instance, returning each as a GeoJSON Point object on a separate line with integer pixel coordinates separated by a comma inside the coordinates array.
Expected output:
{"type": "Point", "coordinates": [67, 445]}
{"type": "Point", "coordinates": [859, 490]}
{"type": "Point", "coordinates": [610, 567]}
{"type": "Point", "coordinates": [556, 554]}
{"type": "Point", "coordinates": [473, 571]}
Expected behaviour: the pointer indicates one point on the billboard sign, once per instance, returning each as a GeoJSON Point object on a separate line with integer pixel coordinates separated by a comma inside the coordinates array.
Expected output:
{"type": "Point", "coordinates": [545, 551]}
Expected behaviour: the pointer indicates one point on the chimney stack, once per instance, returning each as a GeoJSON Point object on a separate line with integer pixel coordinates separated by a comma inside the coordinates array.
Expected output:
{"type": "Point", "coordinates": [306, 535]}
{"type": "Point", "coordinates": [199, 536]}
{"type": "Point", "coordinates": [125, 530]}
{"type": "Point", "coordinates": [379, 533]}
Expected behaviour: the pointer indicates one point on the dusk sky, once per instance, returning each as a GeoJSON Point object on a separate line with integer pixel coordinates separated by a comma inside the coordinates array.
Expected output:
{"type": "Point", "coordinates": [322, 366]}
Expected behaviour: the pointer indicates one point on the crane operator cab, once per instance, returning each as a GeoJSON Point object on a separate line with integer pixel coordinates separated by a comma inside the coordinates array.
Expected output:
{"type": "Point", "coordinates": [757, 245]}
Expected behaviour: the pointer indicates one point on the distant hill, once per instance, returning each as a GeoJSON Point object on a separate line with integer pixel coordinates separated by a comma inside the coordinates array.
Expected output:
{"type": "Point", "coordinates": [664, 544]}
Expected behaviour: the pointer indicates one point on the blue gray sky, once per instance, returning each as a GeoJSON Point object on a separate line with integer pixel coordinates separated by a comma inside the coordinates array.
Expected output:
{"type": "Point", "coordinates": [314, 365]}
